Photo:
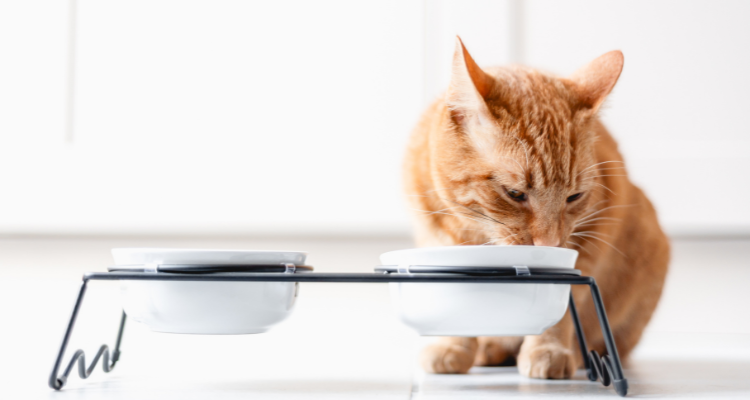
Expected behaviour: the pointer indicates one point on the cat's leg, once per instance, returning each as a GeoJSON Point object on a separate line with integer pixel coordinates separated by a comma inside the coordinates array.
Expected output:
{"type": "Point", "coordinates": [550, 355]}
{"type": "Point", "coordinates": [497, 350]}
{"type": "Point", "coordinates": [450, 355]}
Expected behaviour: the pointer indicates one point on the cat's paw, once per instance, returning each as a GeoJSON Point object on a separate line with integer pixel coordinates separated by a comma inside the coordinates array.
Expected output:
{"type": "Point", "coordinates": [547, 361]}
{"type": "Point", "coordinates": [496, 351]}
{"type": "Point", "coordinates": [446, 358]}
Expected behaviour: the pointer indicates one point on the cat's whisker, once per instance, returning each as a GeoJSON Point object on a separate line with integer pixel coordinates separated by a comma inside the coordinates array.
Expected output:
{"type": "Point", "coordinates": [599, 176]}
{"type": "Point", "coordinates": [605, 169]}
{"type": "Point", "coordinates": [478, 214]}
{"type": "Point", "coordinates": [579, 246]}
{"type": "Point", "coordinates": [471, 215]}
{"type": "Point", "coordinates": [508, 236]}
{"type": "Point", "coordinates": [592, 225]}
{"type": "Point", "coordinates": [599, 239]}
{"type": "Point", "coordinates": [587, 220]}
{"type": "Point", "coordinates": [452, 215]}
{"type": "Point", "coordinates": [604, 187]}
{"type": "Point", "coordinates": [589, 242]}
{"type": "Point", "coordinates": [494, 240]}
{"type": "Point", "coordinates": [475, 211]}
{"type": "Point", "coordinates": [605, 209]}
{"type": "Point", "coordinates": [593, 206]}
{"type": "Point", "coordinates": [592, 171]}
{"type": "Point", "coordinates": [594, 233]}
{"type": "Point", "coordinates": [439, 211]}
{"type": "Point", "coordinates": [594, 210]}
{"type": "Point", "coordinates": [592, 217]}
{"type": "Point", "coordinates": [464, 216]}
{"type": "Point", "coordinates": [594, 165]}
{"type": "Point", "coordinates": [442, 211]}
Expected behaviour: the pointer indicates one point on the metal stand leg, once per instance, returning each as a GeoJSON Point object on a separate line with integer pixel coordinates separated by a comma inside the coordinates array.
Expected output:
{"type": "Point", "coordinates": [608, 367]}
{"type": "Point", "coordinates": [610, 361]}
{"type": "Point", "coordinates": [590, 373]}
{"type": "Point", "coordinates": [57, 382]}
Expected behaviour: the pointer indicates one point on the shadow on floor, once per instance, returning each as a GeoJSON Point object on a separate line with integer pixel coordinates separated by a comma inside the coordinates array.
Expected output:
{"type": "Point", "coordinates": [647, 378]}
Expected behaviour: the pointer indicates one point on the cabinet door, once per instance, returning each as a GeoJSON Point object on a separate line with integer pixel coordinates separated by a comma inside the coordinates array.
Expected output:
{"type": "Point", "coordinates": [33, 73]}
{"type": "Point", "coordinates": [229, 117]}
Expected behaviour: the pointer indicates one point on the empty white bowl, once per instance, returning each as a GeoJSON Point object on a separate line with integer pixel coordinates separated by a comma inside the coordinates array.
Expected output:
{"type": "Point", "coordinates": [206, 307]}
{"type": "Point", "coordinates": [480, 309]}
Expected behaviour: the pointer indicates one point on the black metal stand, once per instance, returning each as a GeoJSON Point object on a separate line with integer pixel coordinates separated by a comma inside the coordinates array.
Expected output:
{"type": "Point", "coordinates": [607, 367]}
{"type": "Point", "coordinates": [58, 381]}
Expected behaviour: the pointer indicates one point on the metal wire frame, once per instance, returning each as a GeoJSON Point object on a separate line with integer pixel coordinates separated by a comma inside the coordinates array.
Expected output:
{"type": "Point", "coordinates": [607, 367]}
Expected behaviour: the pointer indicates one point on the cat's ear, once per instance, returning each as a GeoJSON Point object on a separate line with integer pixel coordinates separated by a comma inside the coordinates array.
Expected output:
{"type": "Point", "coordinates": [469, 84]}
{"type": "Point", "coordinates": [593, 82]}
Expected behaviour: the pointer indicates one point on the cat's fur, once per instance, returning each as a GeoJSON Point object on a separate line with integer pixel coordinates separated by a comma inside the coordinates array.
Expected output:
{"type": "Point", "coordinates": [514, 128]}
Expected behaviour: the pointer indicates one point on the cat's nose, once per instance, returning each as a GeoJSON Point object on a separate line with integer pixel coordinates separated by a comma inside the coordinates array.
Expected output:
{"type": "Point", "coordinates": [546, 241]}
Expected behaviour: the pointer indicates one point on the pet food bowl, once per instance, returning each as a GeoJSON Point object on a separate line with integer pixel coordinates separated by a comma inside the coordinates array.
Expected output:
{"type": "Point", "coordinates": [479, 309]}
{"type": "Point", "coordinates": [207, 307]}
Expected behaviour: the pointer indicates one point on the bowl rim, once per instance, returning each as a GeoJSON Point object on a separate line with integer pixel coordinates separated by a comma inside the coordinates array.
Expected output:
{"type": "Point", "coordinates": [493, 246]}
{"type": "Point", "coordinates": [181, 249]}
{"type": "Point", "coordinates": [558, 255]}
{"type": "Point", "coordinates": [193, 256]}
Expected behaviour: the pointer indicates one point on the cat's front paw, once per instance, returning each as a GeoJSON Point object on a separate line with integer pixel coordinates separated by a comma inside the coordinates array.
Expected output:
{"type": "Point", "coordinates": [547, 361]}
{"type": "Point", "coordinates": [446, 358]}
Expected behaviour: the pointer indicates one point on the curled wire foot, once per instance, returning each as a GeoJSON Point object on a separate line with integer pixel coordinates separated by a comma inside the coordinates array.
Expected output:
{"type": "Point", "coordinates": [83, 372]}
{"type": "Point", "coordinates": [602, 367]}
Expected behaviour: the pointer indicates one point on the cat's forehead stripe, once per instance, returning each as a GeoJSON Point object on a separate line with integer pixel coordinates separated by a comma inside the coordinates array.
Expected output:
{"type": "Point", "coordinates": [546, 128]}
{"type": "Point", "coordinates": [535, 110]}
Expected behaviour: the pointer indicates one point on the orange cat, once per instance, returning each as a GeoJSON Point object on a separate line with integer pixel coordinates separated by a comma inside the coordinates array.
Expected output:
{"type": "Point", "coordinates": [517, 157]}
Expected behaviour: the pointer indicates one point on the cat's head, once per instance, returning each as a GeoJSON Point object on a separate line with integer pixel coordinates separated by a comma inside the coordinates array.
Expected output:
{"type": "Point", "coordinates": [520, 147]}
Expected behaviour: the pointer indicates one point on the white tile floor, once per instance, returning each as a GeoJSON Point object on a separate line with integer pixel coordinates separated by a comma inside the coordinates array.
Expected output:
{"type": "Point", "coordinates": [342, 342]}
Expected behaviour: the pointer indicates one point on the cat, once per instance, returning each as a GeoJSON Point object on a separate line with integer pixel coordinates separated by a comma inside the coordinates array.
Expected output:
{"type": "Point", "coordinates": [514, 156]}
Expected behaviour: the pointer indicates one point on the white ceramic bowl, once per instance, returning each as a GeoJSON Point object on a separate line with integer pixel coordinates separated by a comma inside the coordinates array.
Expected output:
{"type": "Point", "coordinates": [480, 309]}
{"type": "Point", "coordinates": [207, 307]}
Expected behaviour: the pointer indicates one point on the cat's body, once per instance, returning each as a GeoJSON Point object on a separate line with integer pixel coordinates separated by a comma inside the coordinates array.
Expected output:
{"type": "Point", "coordinates": [514, 156]}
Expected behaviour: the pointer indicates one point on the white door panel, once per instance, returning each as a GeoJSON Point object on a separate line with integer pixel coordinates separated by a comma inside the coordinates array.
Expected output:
{"type": "Point", "coordinates": [33, 72]}
{"type": "Point", "coordinates": [230, 117]}
{"type": "Point", "coordinates": [679, 108]}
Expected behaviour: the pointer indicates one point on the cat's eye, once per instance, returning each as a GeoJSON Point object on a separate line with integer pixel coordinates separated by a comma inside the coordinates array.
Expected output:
{"type": "Point", "coordinates": [516, 195]}
{"type": "Point", "coordinates": [574, 197]}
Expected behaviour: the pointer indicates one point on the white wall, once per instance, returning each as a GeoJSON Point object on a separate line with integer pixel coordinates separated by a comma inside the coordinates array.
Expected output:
{"type": "Point", "coordinates": [249, 117]}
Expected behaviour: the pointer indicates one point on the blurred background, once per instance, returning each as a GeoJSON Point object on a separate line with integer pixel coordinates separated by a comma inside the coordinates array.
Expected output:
{"type": "Point", "coordinates": [256, 117]}
{"type": "Point", "coordinates": [282, 125]}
